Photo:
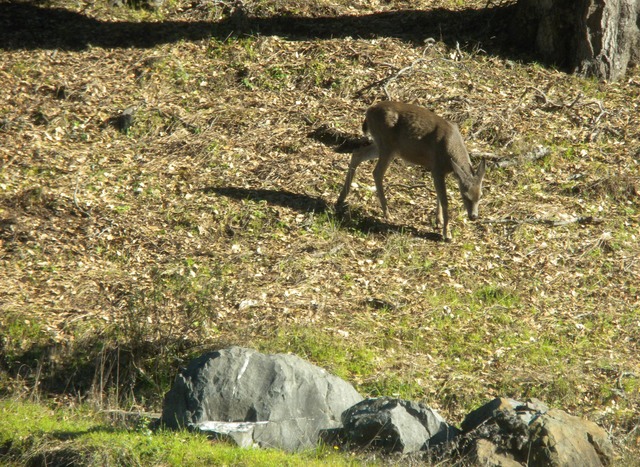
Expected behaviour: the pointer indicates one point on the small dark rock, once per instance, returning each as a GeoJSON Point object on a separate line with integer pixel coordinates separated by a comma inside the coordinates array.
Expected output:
{"type": "Point", "coordinates": [486, 412]}
{"type": "Point", "coordinates": [395, 425]}
{"type": "Point", "coordinates": [123, 121]}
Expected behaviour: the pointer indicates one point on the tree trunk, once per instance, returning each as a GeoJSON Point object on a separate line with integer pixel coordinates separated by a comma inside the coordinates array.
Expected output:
{"type": "Point", "coordinates": [590, 37]}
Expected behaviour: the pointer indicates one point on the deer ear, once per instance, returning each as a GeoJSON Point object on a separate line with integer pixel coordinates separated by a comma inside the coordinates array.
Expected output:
{"type": "Point", "coordinates": [461, 174]}
{"type": "Point", "coordinates": [481, 169]}
{"type": "Point", "coordinates": [456, 168]}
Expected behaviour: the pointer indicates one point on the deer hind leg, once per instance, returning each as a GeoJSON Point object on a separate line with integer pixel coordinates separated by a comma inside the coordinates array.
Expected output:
{"type": "Point", "coordinates": [378, 176]}
{"type": "Point", "coordinates": [360, 155]}
{"type": "Point", "coordinates": [442, 206]}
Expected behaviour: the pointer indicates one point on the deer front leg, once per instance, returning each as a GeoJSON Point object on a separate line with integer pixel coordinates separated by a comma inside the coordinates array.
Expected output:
{"type": "Point", "coordinates": [439, 220]}
{"type": "Point", "coordinates": [442, 206]}
{"type": "Point", "coordinates": [358, 157]}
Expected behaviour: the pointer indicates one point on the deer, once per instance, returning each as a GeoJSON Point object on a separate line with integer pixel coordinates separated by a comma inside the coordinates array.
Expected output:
{"type": "Point", "coordinates": [420, 137]}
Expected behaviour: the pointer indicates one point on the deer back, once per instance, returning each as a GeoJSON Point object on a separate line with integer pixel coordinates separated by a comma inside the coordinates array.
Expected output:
{"type": "Point", "coordinates": [415, 134]}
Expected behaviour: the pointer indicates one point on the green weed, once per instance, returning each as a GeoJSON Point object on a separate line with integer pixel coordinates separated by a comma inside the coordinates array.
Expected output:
{"type": "Point", "coordinates": [492, 295]}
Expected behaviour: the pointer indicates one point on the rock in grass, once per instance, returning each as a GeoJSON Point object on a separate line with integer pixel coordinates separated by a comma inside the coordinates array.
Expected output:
{"type": "Point", "coordinates": [559, 439]}
{"type": "Point", "coordinates": [504, 431]}
{"type": "Point", "coordinates": [295, 398]}
{"type": "Point", "coordinates": [123, 121]}
{"type": "Point", "coordinates": [524, 411]}
{"type": "Point", "coordinates": [394, 425]}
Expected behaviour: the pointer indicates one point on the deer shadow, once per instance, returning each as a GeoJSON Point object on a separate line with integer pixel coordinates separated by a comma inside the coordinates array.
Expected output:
{"type": "Point", "coordinates": [348, 219]}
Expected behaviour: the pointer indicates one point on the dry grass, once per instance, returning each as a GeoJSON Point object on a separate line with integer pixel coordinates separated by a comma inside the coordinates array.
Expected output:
{"type": "Point", "coordinates": [210, 220]}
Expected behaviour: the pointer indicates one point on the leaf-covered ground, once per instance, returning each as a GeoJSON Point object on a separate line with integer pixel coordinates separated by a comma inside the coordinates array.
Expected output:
{"type": "Point", "coordinates": [209, 221]}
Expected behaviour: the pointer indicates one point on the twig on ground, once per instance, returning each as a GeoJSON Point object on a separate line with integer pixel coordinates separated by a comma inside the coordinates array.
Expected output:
{"type": "Point", "coordinates": [173, 115]}
{"type": "Point", "coordinates": [75, 200]}
{"type": "Point", "coordinates": [551, 105]}
{"type": "Point", "coordinates": [387, 80]}
{"type": "Point", "coordinates": [400, 72]}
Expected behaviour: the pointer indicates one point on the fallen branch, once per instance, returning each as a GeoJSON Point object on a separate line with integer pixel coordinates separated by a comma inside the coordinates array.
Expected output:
{"type": "Point", "coordinates": [387, 80]}
{"type": "Point", "coordinates": [551, 105]}
{"type": "Point", "coordinates": [400, 72]}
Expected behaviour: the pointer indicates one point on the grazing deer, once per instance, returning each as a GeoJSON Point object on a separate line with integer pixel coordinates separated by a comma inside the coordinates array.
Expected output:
{"type": "Point", "coordinates": [420, 137]}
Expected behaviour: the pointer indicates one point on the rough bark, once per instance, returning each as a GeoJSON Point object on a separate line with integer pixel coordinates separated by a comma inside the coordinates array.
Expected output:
{"type": "Point", "coordinates": [598, 38]}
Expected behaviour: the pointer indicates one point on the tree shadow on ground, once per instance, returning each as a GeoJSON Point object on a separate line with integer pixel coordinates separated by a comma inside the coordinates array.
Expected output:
{"type": "Point", "coordinates": [349, 219]}
{"type": "Point", "coordinates": [284, 198]}
{"type": "Point", "coordinates": [25, 25]}
{"type": "Point", "coordinates": [100, 368]}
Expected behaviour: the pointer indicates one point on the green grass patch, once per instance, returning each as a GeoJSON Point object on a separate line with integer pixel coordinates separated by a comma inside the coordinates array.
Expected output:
{"type": "Point", "coordinates": [34, 434]}
{"type": "Point", "coordinates": [494, 295]}
{"type": "Point", "coordinates": [335, 353]}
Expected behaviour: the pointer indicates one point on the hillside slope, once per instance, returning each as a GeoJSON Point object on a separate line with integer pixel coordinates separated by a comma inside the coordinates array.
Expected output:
{"type": "Point", "coordinates": [126, 247]}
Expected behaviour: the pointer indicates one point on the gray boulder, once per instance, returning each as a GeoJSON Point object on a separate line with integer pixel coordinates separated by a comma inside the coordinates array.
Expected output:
{"type": "Point", "coordinates": [394, 425]}
{"type": "Point", "coordinates": [295, 398]}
